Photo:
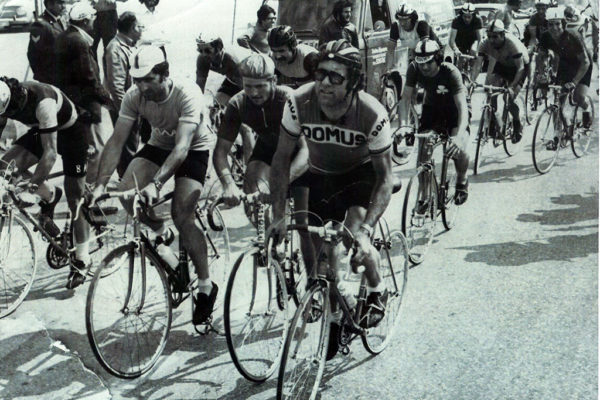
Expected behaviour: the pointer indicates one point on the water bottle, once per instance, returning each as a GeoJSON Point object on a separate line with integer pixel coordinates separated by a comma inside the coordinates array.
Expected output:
{"type": "Point", "coordinates": [168, 255]}
{"type": "Point", "coordinates": [49, 226]}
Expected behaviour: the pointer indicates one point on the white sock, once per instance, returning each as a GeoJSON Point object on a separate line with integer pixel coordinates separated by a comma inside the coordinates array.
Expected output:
{"type": "Point", "coordinates": [205, 286]}
{"type": "Point", "coordinates": [82, 252]}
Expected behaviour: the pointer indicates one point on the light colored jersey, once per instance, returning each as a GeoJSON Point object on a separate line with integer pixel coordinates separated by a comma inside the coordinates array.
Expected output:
{"type": "Point", "coordinates": [296, 69]}
{"type": "Point", "coordinates": [511, 51]}
{"type": "Point", "coordinates": [337, 147]}
{"type": "Point", "coordinates": [185, 103]}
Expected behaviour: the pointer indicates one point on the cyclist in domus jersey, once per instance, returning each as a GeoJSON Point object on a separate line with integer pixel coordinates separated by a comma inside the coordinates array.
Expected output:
{"type": "Point", "coordinates": [466, 30]}
{"type": "Point", "coordinates": [294, 62]}
{"type": "Point", "coordinates": [574, 63]}
{"type": "Point", "coordinates": [508, 65]}
{"type": "Point", "coordinates": [178, 147]}
{"type": "Point", "coordinates": [350, 173]}
{"type": "Point", "coordinates": [55, 128]}
{"type": "Point", "coordinates": [444, 111]}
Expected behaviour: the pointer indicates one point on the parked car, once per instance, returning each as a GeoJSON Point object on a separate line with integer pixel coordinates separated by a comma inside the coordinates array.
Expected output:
{"type": "Point", "coordinates": [16, 14]}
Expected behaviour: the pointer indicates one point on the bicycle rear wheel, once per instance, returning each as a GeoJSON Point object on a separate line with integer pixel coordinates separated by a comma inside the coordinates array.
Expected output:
{"type": "Point", "coordinates": [545, 131]}
{"type": "Point", "coordinates": [419, 228]}
{"type": "Point", "coordinates": [256, 316]}
{"type": "Point", "coordinates": [581, 136]}
{"type": "Point", "coordinates": [483, 138]}
{"type": "Point", "coordinates": [17, 263]}
{"type": "Point", "coordinates": [127, 340]}
{"type": "Point", "coordinates": [393, 251]}
{"type": "Point", "coordinates": [447, 205]}
{"type": "Point", "coordinates": [303, 358]}
{"type": "Point", "coordinates": [510, 148]}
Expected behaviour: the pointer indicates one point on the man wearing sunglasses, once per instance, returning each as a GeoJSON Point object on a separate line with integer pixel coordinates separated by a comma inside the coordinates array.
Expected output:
{"type": "Point", "coordinates": [350, 173]}
{"type": "Point", "coordinates": [445, 111]}
{"type": "Point", "coordinates": [466, 30]}
{"type": "Point", "coordinates": [574, 62]}
{"type": "Point", "coordinates": [508, 65]}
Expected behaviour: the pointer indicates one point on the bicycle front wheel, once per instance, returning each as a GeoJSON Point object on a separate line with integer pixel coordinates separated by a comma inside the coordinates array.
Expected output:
{"type": "Point", "coordinates": [581, 135]}
{"type": "Point", "coordinates": [256, 315]}
{"type": "Point", "coordinates": [418, 221]}
{"type": "Point", "coordinates": [305, 349]}
{"type": "Point", "coordinates": [447, 196]}
{"type": "Point", "coordinates": [510, 147]}
{"type": "Point", "coordinates": [218, 250]}
{"type": "Point", "coordinates": [17, 263]}
{"type": "Point", "coordinates": [544, 133]}
{"type": "Point", "coordinates": [482, 139]}
{"type": "Point", "coordinates": [128, 314]}
{"type": "Point", "coordinates": [393, 252]}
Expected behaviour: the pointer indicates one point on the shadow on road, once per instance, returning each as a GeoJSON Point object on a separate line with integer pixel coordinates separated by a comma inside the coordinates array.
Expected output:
{"type": "Point", "coordinates": [583, 208]}
{"type": "Point", "coordinates": [493, 173]}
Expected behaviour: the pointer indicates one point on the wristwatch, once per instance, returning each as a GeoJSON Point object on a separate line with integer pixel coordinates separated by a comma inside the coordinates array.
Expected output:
{"type": "Point", "coordinates": [367, 228]}
{"type": "Point", "coordinates": [157, 184]}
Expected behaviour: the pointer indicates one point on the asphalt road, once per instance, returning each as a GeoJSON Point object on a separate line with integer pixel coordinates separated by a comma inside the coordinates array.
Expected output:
{"type": "Point", "coordinates": [504, 307]}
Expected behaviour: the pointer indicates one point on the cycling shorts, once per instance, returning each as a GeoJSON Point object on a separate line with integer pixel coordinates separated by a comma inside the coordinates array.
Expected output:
{"type": "Point", "coordinates": [331, 195]}
{"type": "Point", "coordinates": [264, 152]}
{"type": "Point", "coordinates": [194, 166]}
{"type": "Point", "coordinates": [229, 88]}
{"type": "Point", "coordinates": [441, 120]}
{"type": "Point", "coordinates": [508, 72]}
{"type": "Point", "coordinates": [565, 75]}
{"type": "Point", "coordinates": [71, 145]}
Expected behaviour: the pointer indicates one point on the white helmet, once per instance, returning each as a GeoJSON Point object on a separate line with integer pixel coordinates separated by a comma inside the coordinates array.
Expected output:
{"type": "Point", "coordinates": [426, 50]}
{"type": "Point", "coordinates": [496, 26]}
{"type": "Point", "coordinates": [555, 13]}
{"type": "Point", "coordinates": [467, 8]}
{"type": "Point", "coordinates": [81, 10]}
{"type": "Point", "coordinates": [4, 97]}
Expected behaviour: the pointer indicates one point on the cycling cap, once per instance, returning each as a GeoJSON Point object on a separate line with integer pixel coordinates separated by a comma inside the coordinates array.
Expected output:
{"type": "Point", "coordinates": [542, 3]}
{"type": "Point", "coordinates": [205, 38]}
{"type": "Point", "coordinates": [4, 96]}
{"type": "Point", "coordinates": [257, 66]}
{"type": "Point", "coordinates": [496, 26]}
{"type": "Point", "coordinates": [144, 59]}
{"type": "Point", "coordinates": [405, 11]}
{"type": "Point", "coordinates": [282, 35]}
{"type": "Point", "coordinates": [555, 13]}
{"type": "Point", "coordinates": [468, 8]}
{"type": "Point", "coordinates": [81, 10]}
{"type": "Point", "coordinates": [426, 50]}
{"type": "Point", "coordinates": [341, 51]}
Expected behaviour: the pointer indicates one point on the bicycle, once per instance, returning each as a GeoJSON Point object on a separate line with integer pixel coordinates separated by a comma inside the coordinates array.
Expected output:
{"type": "Point", "coordinates": [424, 198]}
{"type": "Point", "coordinates": [256, 299]}
{"type": "Point", "coordinates": [490, 129]}
{"type": "Point", "coordinates": [464, 63]}
{"type": "Point", "coordinates": [536, 89]}
{"type": "Point", "coordinates": [308, 339]}
{"type": "Point", "coordinates": [128, 317]}
{"type": "Point", "coordinates": [555, 125]}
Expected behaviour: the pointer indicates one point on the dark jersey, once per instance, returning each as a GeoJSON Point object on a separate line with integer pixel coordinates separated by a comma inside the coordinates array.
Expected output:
{"type": "Point", "coordinates": [228, 65]}
{"type": "Point", "coordinates": [265, 120]}
{"type": "Point", "coordinates": [440, 89]}
{"type": "Point", "coordinates": [420, 31]}
{"type": "Point", "coordinates": [540, 23]}
{"type": "Point", "coordinates": [332, 30]}
{"type": "Point", "coordinates": [47, 108]}
{"type": "Point", "coordinates": [466, 34]}
{"type": "Point", "coordinates": [568, 47]}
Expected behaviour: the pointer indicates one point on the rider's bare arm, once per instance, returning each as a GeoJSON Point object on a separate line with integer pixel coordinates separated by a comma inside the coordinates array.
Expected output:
{"type": "Point", "coordinates": [183, 140]}
{"type": "Point", "coordinates": [112, 151]}
{"type": "Point", "coordinates": [280, 172]}
{"type": "Point", "coordinates": [49, 156]}
{"type": "Point", "coordinates": [452, 40]}
{"type": "Point", "coordinates": [220, 163]}
{"type": "Point", "coordinates": [519, 74]}
{"type": "Point", "coordinates": [584, 64]}
{"type": "Point", "coordinates": [407, 95]}
{"type": "Point", "coordinates": [532, 38]}
{"type": "Point", "coordinates": [300, 162]}
{"type": "Point", "coordinates": [382, 191]}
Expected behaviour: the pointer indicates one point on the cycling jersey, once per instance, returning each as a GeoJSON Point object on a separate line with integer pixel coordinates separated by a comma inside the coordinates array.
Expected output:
{"type": "Point", "coordinates": [184, 103]}
{"type": "Point", "coordinates": [227, 65]}
{"type": "Point", "coordinates": [540, 23]}
{"type": "Point", "coordinates": [411, 38]}
{"type": "Point", "coordinates": [509, 54]}
{"type": "Point", "coordinates": [300, 68]}
{"type": "Point", "coordinates": [568, 47]}
{"type": "Point", "coordinates": [466, 34]}
{"type": "Point", "coordinates": [336, 147]}
{"type": "Point", "coordinates": [265, 120]}
{"type": "Point", "coordinates": [47, 108]}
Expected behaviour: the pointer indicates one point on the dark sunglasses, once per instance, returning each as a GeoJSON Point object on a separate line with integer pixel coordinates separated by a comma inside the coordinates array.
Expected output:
{"type": "Point", "coordinates": [334, 77]}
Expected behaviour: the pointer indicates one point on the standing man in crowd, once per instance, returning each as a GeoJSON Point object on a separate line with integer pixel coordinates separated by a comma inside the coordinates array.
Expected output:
{"type": "Point", "coordinates": [42, 37]}
{"type": "Point", "coordinates": [78, 76]}
{"type": "Point", "coordinates": [338, 26]}
{"type": "Point", "coordinates": [118, 80]}
{"type": "Point", "coordinates": [105, 26]}
{"type": "Point", "coordinates": [256, 38]}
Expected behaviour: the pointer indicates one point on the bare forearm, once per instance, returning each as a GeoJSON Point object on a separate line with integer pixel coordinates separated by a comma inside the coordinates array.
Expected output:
{"type": "Point", "coordinates": [109, 160]}
{"type": "Point", "coordinates": [221, 167]}
{"type": "Point", "coordinates": [380, 198]}
{"type": "Point", "coordinates": [173, 161]}
{"type": "Point", "coordinates": [583, 67]}
{"type": "Point", "coordinates": [518, 77]}
{"type": "Point", "coordinates": [278, 182]}
{"type": "Point", "coordinates": [43, 168]}
{"type": "Point", "coordinates": [299, 164]}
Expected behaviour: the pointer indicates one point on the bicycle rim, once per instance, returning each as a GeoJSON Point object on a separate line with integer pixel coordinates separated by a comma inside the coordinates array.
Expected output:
{"type": "Point", "coordinates": [417, 229]}
{"type": "Point", "coordinates": [447, 205]}
{"type": "Point", "coordinates": [217, 243]}
{"type": "Point", "coordinates": [305, 349]}
{"type": "Point", "coordinates": [581, 136]}
{"type": "Point", "coordinates": [127, 341]}
{"type": "Point", "coordinates": [482, 139]}
{"type": "Point", "coordinates": [544, 132]}
{"type": "Point", "coordinates": [510, 148]}
{"type": "Point", "coordinates": [394, 273]}
{"type": "Point", "coordinates": [294, 269]}
{"type": "Point", "coordinates": [256, 316]}
{"type": "Point", "coordinates": [17, 263]}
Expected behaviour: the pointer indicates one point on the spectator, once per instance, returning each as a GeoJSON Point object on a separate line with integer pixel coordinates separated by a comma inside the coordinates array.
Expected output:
{"type": "Point", "coordinates": [78, 76]}
{"type": "Point", "coordinates": [338, 26]}
{"type": "Point", "coordinates": [256, 38]}
{"type": "Point", "coordinates": [44, 32]}
{"type": "Point", "coordinates": [118, 80]}
{"type": "Point", "coordinates": [105, 26]}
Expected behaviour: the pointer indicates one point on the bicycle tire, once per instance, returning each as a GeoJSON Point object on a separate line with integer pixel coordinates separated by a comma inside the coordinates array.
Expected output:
{"type": "Point", "coordinates": [540, 139]}
{"type": "Point", "coordinates": [294, 269]}
{"type": "Point", "coordinates": [14, 288]}
{"type": "Point", "coordinates": [105, 336]}
{"type": "Point", "coordinates": [256, 301]}
{"type": "Point", "coordinates": [482, 139]}
{"type": "Point", "coordinates": [581, 136]}
{"type": "Point", "coordinates": [418, 245]}
{"type": "Point", "coordinates": [219, 256]}
{"type": "Point", "coordinates": [308, 316]}
{"type": "Point", "coordinates": [448, 207]}
{"type": "Point", "coordinates": [394, 271]}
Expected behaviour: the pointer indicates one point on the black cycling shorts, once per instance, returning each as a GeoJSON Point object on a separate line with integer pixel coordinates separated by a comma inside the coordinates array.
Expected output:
{"type": "Point", "coordinates": [71, 145]}
{"type": "Point", "coordinates": [508, 72]}
{"type": "Point", "coordinates": [194, 166]}
{"type": "Point", "coordinates": [440, 120]}
{"type": "Point", "coordinates": [331, 195]}
{"type": "Point", "coordinates": [565, 75]}
{"type": "Point", "coordinates": [264, 152]}
{"type": "Point", "coordinates": [229, 88]}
